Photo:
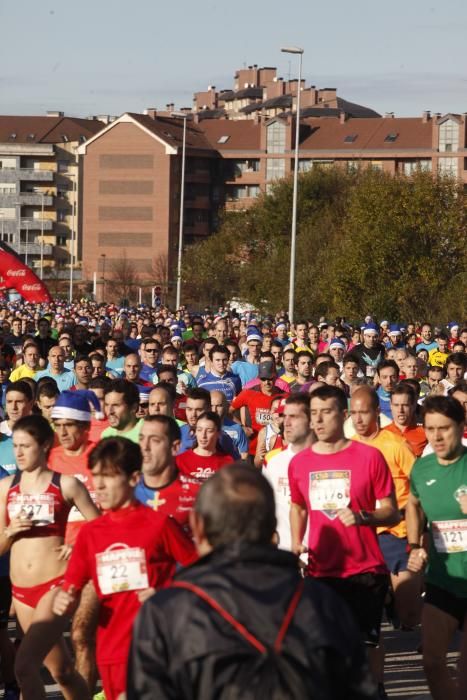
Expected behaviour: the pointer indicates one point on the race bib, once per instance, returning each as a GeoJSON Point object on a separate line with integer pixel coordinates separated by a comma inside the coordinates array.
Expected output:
{"type": "Point", "coordinates": [38, 507]}
{"type": "Point", "coordinates": [449, 536]}
{"type": "Point", "coordinates": [329, 491]}
{"type": "Point", "coordinates": [263, 416]}
{"type": "Point", "coordinates": [122, 569]}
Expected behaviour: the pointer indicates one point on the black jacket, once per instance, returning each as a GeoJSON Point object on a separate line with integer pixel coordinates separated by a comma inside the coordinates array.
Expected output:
{"type": "Point", "coordinates": [182, 649]}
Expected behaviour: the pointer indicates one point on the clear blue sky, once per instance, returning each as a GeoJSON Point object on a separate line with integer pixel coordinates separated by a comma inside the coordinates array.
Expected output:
{"type": "Point", "coordinates": [102, 57]}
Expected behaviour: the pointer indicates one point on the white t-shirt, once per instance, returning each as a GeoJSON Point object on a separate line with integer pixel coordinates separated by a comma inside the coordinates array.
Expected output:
{"type": "Point", "coordinates": [277, 473]}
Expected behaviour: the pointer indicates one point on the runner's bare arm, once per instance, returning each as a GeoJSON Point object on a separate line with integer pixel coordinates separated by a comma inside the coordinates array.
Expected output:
{"type": "Point", "coordinates": [16, 526]}
{"type": "Point", "coordinates": [298, 521]}
{"type": "Point", "coordinates": [386, 514]}
{"type": "Point", "coordinates": [415, 521]}
{"type": "Point", "coordinates": [77, 494]}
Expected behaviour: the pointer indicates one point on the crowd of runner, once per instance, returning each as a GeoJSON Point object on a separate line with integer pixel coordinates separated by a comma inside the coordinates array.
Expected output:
{"type": "Point", "coordinates": [114, 419]}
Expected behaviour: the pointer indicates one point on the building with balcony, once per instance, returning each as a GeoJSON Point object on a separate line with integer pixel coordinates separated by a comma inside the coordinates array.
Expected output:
{"type": "Point", "coordinates": [39, 186]}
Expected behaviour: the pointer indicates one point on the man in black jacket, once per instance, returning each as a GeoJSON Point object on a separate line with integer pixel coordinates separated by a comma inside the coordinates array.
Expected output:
{"type": "Point", "coordinates": [241, 622]}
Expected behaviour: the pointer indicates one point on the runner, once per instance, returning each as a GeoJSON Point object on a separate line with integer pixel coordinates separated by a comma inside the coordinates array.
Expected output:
{"type": "Point", "coordinates": [207, 456]}
{"type": "Point", "coordinates": [335, 485]}
{"type": "Point", "coordinates": [162, 486]}
{"type": "Point", "coordinates": [370, 352]}
{"type": "Point", "coordinates": [198, 401]}
{"type": "Point", "coordinates": [34, 507]}
{"type": "Point", "coordinates": [19, 403]}
{"type": "Point", "coordinates": [298, 436]}
{"type": "Point", "coordinates": [56, 369]}
{"type": "Point", "coordinates": [121, 403]}
{"type": "Point", "coordinates": [438, 496]}
{"type": "Point", "coordinates": [219, 378]}
{"type": "Point", "coordinates": [364, 411]}
{"type": "Point", "coordinates": [270, 437]}
{"type": "Point", "coordinates": [71, 421]}
{"type": "Point", "coordinates": [388, 376]}
{"type": "Point", "coordinates": [128, 552]}
{"type": "Point", "coordinates": [220, 405]}
{"type": "Point", "coordinates": [403, 409]}
{"type": "Point", "coordinates": [255, 403]}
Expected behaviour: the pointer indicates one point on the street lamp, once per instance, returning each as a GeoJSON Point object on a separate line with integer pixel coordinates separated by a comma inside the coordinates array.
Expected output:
{"type": "Point", "coordinates": [103, 276]}
{"type": "Point", "coordinates": [184, 116]}
{"type": "Point", "coordinates": [42, 235]}
{"type": "Point", "coordinates": [294, 50]}
{"type": "Point", "coordinates": [72, 248]}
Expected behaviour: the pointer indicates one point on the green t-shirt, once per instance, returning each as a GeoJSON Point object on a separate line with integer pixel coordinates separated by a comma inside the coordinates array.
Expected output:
{"type": "Point", "coordinates": [438, 488]}
{"type": "Point", "coordinates": [132, 434]}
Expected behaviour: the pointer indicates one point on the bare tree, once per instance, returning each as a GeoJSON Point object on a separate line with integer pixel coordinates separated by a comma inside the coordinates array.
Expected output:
{"type": "Point", "coordinates": [124, 280]}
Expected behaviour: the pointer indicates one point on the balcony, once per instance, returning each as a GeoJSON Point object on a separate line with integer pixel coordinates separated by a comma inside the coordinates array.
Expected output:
{"type": "Point", "coordinates": [198, 202]}
{"type": "Point", "coordinates": [32, 248]}
{"type": "Point", "coordinates": [31, 174]}
{"type": "Point", "coordinates": [37, 224]}
{"type": "Point", "coordinates": [198, 228]}
{"type": "Point", "coordinates": [35, 198]}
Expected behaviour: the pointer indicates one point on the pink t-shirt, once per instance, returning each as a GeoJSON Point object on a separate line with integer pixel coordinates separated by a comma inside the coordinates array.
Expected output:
{"type": "Point", "coordinates": [355, 477]}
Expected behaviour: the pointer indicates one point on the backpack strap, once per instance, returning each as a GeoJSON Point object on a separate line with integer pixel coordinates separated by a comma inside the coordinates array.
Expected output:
{"type": "Point", "coordinates": [241, 629]}
{"type": "Point", "coordinates": [288, 616]}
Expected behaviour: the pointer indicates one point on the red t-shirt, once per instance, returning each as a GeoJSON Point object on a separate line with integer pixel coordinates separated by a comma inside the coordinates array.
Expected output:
{"type": "Point", "coordinates": [97, 426]}
{"type": "Point", "coordinates": [77, 466]}
{"type": "Point", "coordinates": [128, 550]}
{"type": "Point", "coordinates": [258, 406]}
{"type": "Point", "coordinates": [355, 477]}
{"type": "Point", "coordinates": [201, 468]}
{"type": "Point", "coordinates": [176, 499]}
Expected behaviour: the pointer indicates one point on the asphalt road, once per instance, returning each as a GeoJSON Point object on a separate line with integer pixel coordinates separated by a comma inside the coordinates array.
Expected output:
{"type": "Point", "coordinates": [404, 678]}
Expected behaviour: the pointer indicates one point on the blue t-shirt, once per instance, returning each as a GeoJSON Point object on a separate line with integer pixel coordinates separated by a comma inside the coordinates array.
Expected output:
{"type": "Point", "coordinates": [7, 455]}
{"type": "Point", "coordinates": [384, 401]}
{"type": "Point", "coordinates": [236, 434]}
{"type": "Point", "coordinates": [64, 381]}
{"type": "Point", "coordinates": [188, 442]}
{"type": "Point", "coordinates": [147, 373]}
{"type": "Point", "coordinates": [245, 370]}
{"type": "Point", "coordinates": [427, 346]}
{"type": "Point", "coordinates": [230, 384]}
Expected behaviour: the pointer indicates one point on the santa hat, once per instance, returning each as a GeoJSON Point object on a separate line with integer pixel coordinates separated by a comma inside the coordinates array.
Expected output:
{"type": "Point", "coordinates": [74, 405]}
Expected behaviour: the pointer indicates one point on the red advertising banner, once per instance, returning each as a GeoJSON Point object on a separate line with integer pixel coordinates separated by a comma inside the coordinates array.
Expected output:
{"type": "Point", "coordinates": [14, 274]}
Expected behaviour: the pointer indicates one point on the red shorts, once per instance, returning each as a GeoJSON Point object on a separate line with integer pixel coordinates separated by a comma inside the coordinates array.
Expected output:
{"type": "Point", "coordinates": [31, 596]}
{"type": "Point", "coordinates": [113, 678]}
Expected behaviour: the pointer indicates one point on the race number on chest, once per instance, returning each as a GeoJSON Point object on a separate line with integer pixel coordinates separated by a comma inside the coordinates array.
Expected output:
{"type": "Point", "coordinates": [122, 569]}
{"type": "Point", "coordinates": [329, 491]}
{"type": "Point", "coordinates": [450, 536]}
{"type": "Point", "coordinates": [38, 507]}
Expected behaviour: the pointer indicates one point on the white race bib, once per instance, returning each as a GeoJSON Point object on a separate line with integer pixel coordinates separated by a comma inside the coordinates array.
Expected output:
{"type": "Point", "coordinates": [38, 507]}
{"type": "Point", "coordinates": [122, 569]}
{"type": "Point", "coordinates": [330, 491]}
{"type": "Point", "coordinates": [450, 536]}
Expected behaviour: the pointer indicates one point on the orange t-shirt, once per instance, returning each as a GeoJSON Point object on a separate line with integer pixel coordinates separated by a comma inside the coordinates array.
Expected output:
{"type": "Point", "coordinates": [77, 466]}
{"type": "Point", "coordinates": [400, 459]}
{"type": "Point", "coordinates": [97, 426]}
{"type": "Point", "coordinates": [413, 434]}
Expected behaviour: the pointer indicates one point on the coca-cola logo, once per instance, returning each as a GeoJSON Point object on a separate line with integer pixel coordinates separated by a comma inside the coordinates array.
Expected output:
{"type": "Point", "coordinates": [16, 273]}
{"type": "Point", "coordinates": [30, 287]}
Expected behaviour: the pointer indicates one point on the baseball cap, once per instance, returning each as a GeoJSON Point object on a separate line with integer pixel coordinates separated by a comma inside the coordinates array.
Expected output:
{"type": "Point", "coordinates": [266, 370]}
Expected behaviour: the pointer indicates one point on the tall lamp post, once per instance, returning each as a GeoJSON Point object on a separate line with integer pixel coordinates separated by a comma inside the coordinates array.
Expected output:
{"type": "Point", "coordinates": [299, 51]}
{"type": "Point", "coordinates": [103, 276]}
{"type": "Point", "coordinates": [74, 177]}
{"type": "Point", "coordinates": [183, 116]}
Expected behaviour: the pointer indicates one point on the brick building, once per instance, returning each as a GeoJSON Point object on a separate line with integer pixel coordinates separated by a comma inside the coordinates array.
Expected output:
{"type": "Point", "coordinates": [39, 185]}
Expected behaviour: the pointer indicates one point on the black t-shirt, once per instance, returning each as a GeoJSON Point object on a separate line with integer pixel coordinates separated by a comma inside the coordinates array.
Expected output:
{"type": "Point", "coordinates": [369, 358]}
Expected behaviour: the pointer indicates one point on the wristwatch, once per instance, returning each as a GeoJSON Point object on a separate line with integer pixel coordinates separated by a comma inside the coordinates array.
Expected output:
{"type": "Point", "coordinates": [365, 517]}
{"type": "Point", "coordinates": [412, 545]}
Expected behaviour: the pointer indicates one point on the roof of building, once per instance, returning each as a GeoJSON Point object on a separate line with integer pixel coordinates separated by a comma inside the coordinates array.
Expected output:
{"type": "Point", "coordinates": [24, 129]}
{"type": "Point", "coordinates": [233, 135]}
{"type": "Point", "coordinates": [380, 133]}
{"type": "Point", "coordinates": [254, 92]}
{"type": "Point", "coordinates": [170, 130]}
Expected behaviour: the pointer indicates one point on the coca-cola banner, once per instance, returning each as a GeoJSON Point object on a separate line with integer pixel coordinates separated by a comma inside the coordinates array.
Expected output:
{"type": "Point", "coordinates": [14, 274]}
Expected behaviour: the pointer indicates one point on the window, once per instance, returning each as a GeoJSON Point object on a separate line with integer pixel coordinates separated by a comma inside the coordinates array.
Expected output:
{"type": "Point", "coordinates": [7, 213]}
{"type": "Point", "coordinates": [223, 139]}
{"type": "Point", "coordinates": [61, 240]}
{"type": "Point", "coordinates": [245, 166]}
{"type": "Point", "coordinates": [390, 138]}
{"type": "Point", "coordinates": [275, 168]}
{"type": "Point", "coordinates": [413, 166]}
{"type": "Point", "coordinates": [376, 165]}
{"type": "Point", "coordinates": [8, 163]}
{"type": "Point", "coordinates": [352, 166]}
{"type": "Point", "coordinates": [276, 137]}
{"type": "Point", "coordinates": [61, 215]}
{"type": "Point", "coordinates": [304, 165]}
{"type": "Point", "coordinates": [448, 166]}
{"type": "Point", "coordinates": [350, 138]}
{"type": "Point", "coordinates": [62, 166]}
{"type": "Point", "coordinates": [449, 136]}
{"type": "Point", "coordinates": [7, 188]}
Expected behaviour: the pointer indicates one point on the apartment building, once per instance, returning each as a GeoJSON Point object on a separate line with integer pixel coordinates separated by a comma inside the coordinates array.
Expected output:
{"type": "Point", "coordinates": [39, 186]}
{"type": "Point", "coordinates": [131, 190]}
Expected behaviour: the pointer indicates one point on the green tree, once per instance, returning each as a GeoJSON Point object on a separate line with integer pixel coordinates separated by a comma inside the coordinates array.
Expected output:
{"type": "Point", "coordinates": [404, 241]}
